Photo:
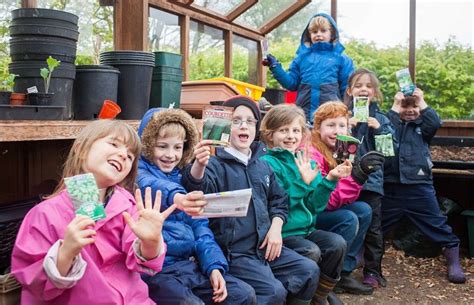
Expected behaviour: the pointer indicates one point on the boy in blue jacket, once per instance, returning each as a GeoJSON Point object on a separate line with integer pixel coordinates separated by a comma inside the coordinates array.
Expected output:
{"type": "Point", "coordinates": [253, 244]}
{"type": "Point", "coordinates": [408, 180]}
{"type": "Point", "coordinates": [195, 269]}
{"type": "Point", "coordinates": [320, 70]}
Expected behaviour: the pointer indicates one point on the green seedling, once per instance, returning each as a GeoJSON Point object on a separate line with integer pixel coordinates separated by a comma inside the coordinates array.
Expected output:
{"type": "Point", "coordinates": [46, 72]}
{"type": "Point", "coordinates": [8, 82]}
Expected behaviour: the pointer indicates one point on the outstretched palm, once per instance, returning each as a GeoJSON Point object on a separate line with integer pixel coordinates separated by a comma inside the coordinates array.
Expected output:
{"type": "Point", "coordinates": [303, 162]}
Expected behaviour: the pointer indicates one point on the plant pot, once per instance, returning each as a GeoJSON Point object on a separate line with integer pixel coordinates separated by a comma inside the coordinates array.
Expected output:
{"type": "Point", "coordinates": [5, 97]}
{"type": "Point", "coordinates": [40, 98]}
{"type": "Point", "coordinates": [17, 99]}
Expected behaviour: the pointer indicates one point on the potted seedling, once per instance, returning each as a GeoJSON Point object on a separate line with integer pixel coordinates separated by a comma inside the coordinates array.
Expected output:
{"type": "Point", "coordinates": [44, 98]}
{"type": "Point", "coordinates": [6, 88]}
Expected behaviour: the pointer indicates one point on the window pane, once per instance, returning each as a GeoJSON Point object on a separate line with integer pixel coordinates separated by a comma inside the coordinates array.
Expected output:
{"type": "Point", "coordinates": [444, 65]}
{"type": "Point", "coordinates": [95, 26]}
{"type": "Point", "coordinates": [244, 60]}
{"type": "Point", "coordinates": [262, 12]}
{"type": "Point", "coordinates": [219, 6]}
{"type": "Point", "coordinates": [163, 32]}
{"type": "Point", "coordinates": [206, 47]}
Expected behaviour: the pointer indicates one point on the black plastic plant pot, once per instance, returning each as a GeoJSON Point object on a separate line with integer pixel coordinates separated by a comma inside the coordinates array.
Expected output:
{"type": "Point", "coordinates": [40, 98]}
{"type": "Point", "coordinates": [5, 97]}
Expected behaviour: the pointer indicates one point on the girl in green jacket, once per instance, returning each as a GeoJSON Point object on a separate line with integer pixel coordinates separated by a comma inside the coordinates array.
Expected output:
{"type": "Point", "coordinates": [283, 129]}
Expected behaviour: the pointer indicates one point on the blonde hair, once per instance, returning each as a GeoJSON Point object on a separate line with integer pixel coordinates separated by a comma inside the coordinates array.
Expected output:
{"type": "Point", "coordinates": [373, 79]}
{"type": "Point", "coordinates": [172, 129]}
{"type": "Point", "coordinates": [321, 22]}
{"type": "Point", "coordinates": [328, 110]}
{"type": "Point", "coordinates": [91, 133]}
{"type": "Point", "coordinates": [278, 116]}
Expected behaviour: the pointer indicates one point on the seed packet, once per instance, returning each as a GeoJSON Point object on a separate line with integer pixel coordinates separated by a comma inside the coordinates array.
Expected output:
{"type": "Point", "coordinates": [84, 193]}
{"type": "Point", "coordinates": [384, 144]}
{"type": "Point", "coordinates": [361, 108]}
{"type": "Point", "coordinates": [217, 121]}
{"type": "Point", "coordinates": [346, 148]}
{"type": "Point", "coordinates": [404, 81]}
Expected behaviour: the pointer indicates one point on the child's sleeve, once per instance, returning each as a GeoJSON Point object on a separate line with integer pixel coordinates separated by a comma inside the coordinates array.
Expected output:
{"type": "Point", "coordinates": [168, 188]}
{"type": "Point", "coordinates": [277, 199]}
{"type": "Point", "coordinates": [36, 237]}
{"type": "Point", "coordinates": [208, 184]}
{"type": "Point", "coordinates": [346, 70]}
{"type": "Point", "coordinates": [208, 252]}
{"type": "Point", "coordinates": [319, 193]}
{"type": "Point", "coordinates": [289, 80]}
{"type": "Point", "coordinates": [431, 123]}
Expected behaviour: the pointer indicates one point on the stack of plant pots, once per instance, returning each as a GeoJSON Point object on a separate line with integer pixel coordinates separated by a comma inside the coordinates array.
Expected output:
{"type": "Point", "coordinates": [166, 82]}
{"type": "Point", "coordinates": [136, 69]}
{"type": "Point", "coordinates": [37, 34]}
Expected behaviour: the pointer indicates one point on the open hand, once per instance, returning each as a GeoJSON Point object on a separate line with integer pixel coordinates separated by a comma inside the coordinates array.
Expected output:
{"type": "Point", "coordinates": [219, 293]}
{"type": "Point", "coordinates": [303, 162]}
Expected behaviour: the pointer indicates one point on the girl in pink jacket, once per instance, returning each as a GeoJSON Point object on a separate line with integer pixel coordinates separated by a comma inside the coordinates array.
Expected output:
{"type": "Point", "coordinates": [344, 215]}
{"type": "Point", "coordinates": [63, 258]}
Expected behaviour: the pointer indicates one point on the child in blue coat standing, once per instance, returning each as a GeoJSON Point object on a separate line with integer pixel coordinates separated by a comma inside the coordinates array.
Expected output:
{"type": "Point", "coordinates": [320, 70]}
{"type": "Point", "coordinates": [195, 269]}
{"type": "Point", "coordinates": [408, 178]}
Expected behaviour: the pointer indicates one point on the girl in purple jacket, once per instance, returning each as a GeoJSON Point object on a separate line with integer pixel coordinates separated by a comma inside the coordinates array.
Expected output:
{"type": "Point", "coordinates": [63, 258]}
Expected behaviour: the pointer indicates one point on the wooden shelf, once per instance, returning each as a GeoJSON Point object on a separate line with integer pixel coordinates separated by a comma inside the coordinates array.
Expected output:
{"type": "Point", "coordinates": [16, 131]}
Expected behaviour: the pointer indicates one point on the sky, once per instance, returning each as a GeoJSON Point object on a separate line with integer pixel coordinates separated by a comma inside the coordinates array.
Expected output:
{"type": "Point", "coordinates": [386, 22]}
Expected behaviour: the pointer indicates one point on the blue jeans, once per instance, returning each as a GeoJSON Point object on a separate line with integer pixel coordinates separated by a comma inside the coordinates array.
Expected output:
{"type": "Point", "coordinates": [351, 221]}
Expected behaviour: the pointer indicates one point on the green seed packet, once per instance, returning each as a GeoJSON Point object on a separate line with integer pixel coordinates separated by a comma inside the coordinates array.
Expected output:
{"type": "Point", "coordinates": [217, 121]}
{"type": "Point", "coordinates": [404, 81]}
{"type": "Point", "coordinates": [84, 193]}
{"type": "Point", "coordinates": [384, 144]}
{"type": "Point", "coordinates": [346, 148]}
{"type": "Point", "coordinates": [361, 108]}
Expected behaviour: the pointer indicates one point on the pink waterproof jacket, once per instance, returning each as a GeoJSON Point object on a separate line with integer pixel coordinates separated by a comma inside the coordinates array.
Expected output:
{"type": "Point", "coordinates": [111, 275]}
{"type": "Point", "coordinates": [347, 190]}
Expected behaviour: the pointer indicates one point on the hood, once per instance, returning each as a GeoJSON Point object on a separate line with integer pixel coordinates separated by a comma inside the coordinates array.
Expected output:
{"type": "Point", "coordinates": [156, 118]}
{"type": "Point", "coordinates": [305, 41]}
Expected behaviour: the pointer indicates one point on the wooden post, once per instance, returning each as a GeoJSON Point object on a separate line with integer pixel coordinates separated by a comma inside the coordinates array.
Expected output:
{"type": "Point", "coordinates": [131, 25]}
{"type": "Point", "coordinates": [412, 41]}
{"type": "Point", "coordinates": [228, 37]}
{"type": "Point", "coordinates": [184, 22]}
{"type": "Point", "coordinates": [334, 10]}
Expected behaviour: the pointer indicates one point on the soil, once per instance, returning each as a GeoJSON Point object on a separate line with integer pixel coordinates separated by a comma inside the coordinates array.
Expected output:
{"type": "Point", "coordinates": [452, 153]}
{"type": "Point", "coordinates": [412, 280]}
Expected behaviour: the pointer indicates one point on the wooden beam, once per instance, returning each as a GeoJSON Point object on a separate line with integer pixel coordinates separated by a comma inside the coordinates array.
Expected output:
{"type": "Point", "coordinates": [261, 70]}
{"type": "Point", "coordinates": [236, 12]}
{"type": "Point", "coordinates": [283, 16]}
{"type": "Point", "coordinates": [334, 10]}
{"type": "Point", "coordinates": [207, 18]}
{"type": "Point", "coordinates": [184, 22]}
{"type": "Point", "coordinates": [29, 3]}
{"type": "Point", "coordinates": [412, 41]}
{"type": "Point", "coordinates": [228, 38]}
{"type": "Point", "coordinates": [131, 25]}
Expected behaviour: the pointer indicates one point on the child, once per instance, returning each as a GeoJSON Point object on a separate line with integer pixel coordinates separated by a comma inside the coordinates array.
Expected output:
{"type": "Point", "coordinates": [283, 129]}
{"type": "Point", "coordinates": [252, 244]}
{"type": "Point", "coordinates": [344, 214]}
{"type": "Point", "coordinates": [408, 179]}
{"type": "Point", "coordinates": [168, 137]}
{"type": "Point", "coordinates": [320, 69]}
{"type": "Point", "coordinates": [63, 258]}
{"type": "Point", "coordinates": [364, 83]}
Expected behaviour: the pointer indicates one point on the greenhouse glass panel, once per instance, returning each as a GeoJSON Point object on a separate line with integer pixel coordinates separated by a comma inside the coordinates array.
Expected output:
{"type": "Point", "coordinates": [206, 48]}
{"type": "Point", "coordinates": [163, 32]}
{"type": "Point", "coordinates": [262, 12]}
{"type": "Point", "coordinates": [219, 6]}
{"type": "Point", "coordinates": [244, 60]}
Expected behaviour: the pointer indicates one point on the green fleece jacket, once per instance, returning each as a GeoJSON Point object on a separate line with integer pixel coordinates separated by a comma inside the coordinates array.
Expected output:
{"type": "Point", "coordinates": [305, 201]}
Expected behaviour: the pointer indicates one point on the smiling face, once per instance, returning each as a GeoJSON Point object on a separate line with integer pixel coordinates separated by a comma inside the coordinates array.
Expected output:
{"type": "Point", "coordinates": [409, 112]}
{"type": "Point", "coordinates": [362, 86]}
{"type": "Point", "coordinates": [321, 34]}
{"type": "Point", "coordinates": [330, 128]}
{"type": "Point", "coordinates": [243, 129]}
{"type": "Point", "coordinates": [109, 160]}
{"type": "Point", "coordinates": [168, 152]}
{"type": "Point", "coordinates": [288, 136]}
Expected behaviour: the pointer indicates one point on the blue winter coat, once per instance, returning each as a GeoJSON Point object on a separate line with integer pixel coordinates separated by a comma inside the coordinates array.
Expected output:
{"type": "Point", "coordinates": [226, 173]}
{"type": "Point", "coordinates": [185, 237]}
{"type": "Point", "coordinates": [367, 135]}
{"type": "Point", "coordinates": [412, 161]}
{"type": "Point", "coordinates": [319, 71]}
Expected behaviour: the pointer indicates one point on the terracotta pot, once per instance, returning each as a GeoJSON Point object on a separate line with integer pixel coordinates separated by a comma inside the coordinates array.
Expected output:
{"type": "Point", "coordinates": [17, 98]}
